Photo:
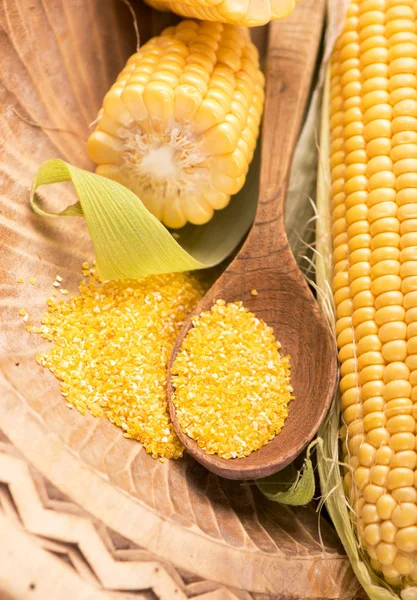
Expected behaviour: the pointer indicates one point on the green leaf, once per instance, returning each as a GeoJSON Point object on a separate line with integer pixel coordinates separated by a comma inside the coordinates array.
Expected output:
{"type": "Point", "coordinates": [129, 242]}
{"type": "Point", "coordinates": [298, 493]}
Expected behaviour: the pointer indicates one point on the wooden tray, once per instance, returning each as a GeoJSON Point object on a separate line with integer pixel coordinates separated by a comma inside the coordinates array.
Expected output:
{"type": "Point", "coordinates": [85, 513]}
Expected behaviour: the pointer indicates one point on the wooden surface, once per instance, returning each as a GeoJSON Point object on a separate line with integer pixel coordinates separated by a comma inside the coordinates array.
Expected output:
{"type": "Point", "coordinates": [94, 516]}
{"type": "Point", "coordinates": [266, 263]}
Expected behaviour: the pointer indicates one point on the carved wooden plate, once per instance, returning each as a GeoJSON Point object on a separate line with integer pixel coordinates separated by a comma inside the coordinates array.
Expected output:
{"type": "Point", "coordinates": [122, 520]}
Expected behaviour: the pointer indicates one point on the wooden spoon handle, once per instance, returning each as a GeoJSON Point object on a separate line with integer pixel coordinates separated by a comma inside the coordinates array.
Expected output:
{"type": "Point", "coordinates": [292, 53]}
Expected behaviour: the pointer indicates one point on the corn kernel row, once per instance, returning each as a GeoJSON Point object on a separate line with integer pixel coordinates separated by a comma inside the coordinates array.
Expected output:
{"type": "Point", "coordinates": [374, 201]}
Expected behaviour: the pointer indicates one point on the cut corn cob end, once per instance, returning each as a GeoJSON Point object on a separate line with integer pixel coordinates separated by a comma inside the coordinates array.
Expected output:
{"type": "Point", "coordinates": [250, 13]}
{"type": "Point", "coordinates": [373, 161]}
{"type": "Point", "coordinates": [180, 124]}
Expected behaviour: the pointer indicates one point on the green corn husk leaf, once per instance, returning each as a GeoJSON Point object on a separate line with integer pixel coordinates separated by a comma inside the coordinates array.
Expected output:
{"type": "Point", "coordinates": [129, 242]}
{"type": "Point", "coordinates": [328, 453]}
{"type": "Point", "coordinates": [297, 493]}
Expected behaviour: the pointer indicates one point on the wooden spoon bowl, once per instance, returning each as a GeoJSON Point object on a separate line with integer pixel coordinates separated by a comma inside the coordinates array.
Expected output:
{"type": "Point", "coordinates": [266, 263]}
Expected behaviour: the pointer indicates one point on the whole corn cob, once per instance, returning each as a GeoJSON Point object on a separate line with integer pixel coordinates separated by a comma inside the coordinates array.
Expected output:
{"type": "Point", "coordinates": [373, 159]}
{"type": "Point", "coordinates": [179, 126]}
{"type": "Point", "coordinates": [250, 13]}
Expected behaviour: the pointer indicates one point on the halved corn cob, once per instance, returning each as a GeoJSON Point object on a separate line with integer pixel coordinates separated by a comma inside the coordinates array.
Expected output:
{"type": "Point", "coordinates": [180, 124]}
{"type": "Point", "coordinates": [374, 201]}
{"type": "Point", "coordinates": [250, 13]}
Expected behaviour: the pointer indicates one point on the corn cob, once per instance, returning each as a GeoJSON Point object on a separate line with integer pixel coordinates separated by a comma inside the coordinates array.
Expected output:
{"type": "Point", "coordinates": [179, 126]}
{"type": "Point", "coordinates": [250, 13]}
{"type": "Point", "coordinates": [373, 160]}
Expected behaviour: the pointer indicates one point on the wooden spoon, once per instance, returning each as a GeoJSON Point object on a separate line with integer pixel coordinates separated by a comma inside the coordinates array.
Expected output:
{"type": "Point", "coordinates": [266, 263]}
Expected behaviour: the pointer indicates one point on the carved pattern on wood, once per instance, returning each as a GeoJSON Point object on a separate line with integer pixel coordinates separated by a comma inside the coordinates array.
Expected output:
{"type": "Point", "coordinates": [65, 530]}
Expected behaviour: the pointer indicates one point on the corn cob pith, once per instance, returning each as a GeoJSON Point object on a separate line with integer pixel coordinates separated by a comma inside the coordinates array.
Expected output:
{"type": "Point", "coordinates": [373, 124]}
{"type": "Point", "coordinates": [179, 126]}
{"type": "Point", "coordinates": [250, 13]}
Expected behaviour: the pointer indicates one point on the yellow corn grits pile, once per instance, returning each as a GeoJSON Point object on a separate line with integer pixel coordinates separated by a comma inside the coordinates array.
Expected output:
{"type": "Point", "coordinates": [232, 387]}
{"type": "Point", "coordinates": [111, 348]}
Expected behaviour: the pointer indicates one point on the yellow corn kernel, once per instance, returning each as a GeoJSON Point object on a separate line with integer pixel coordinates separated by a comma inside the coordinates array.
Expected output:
{"type": "Point", "coordinates": [372, 535]}
{"type": "Point", "coordinates": [404, 515]}
{"type": "Point", "coordinates": [385, 506]}
{"type": "Point", "coordinates": [388, 531]}
{"type": "Point", "coordinates": [179, 126]}
{"type": "Point", "coordinates": [386, 553]}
